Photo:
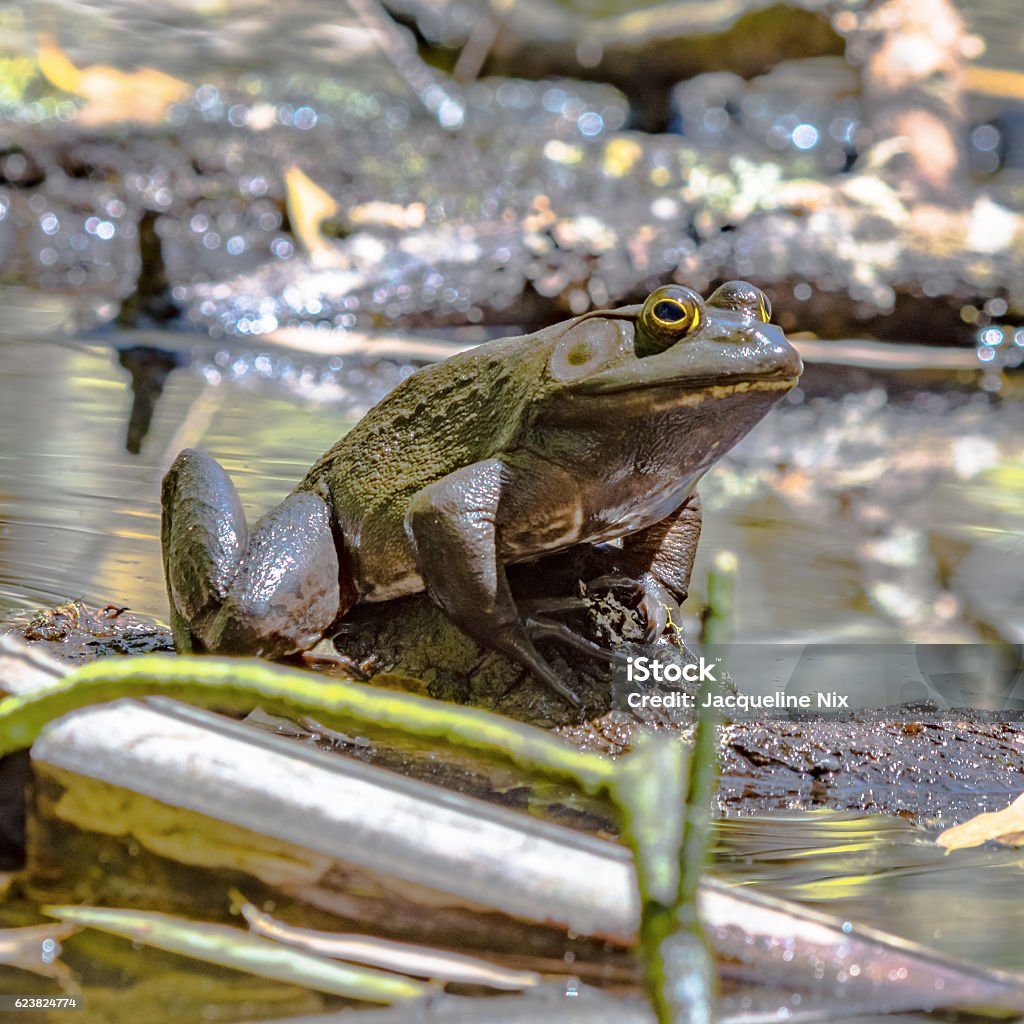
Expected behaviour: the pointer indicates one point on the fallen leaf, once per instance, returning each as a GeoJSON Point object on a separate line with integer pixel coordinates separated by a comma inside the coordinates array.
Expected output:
{"type": "Point", "coordinates": [1005, 826]}
{"type": "Point", "coordinates": [110, 94]}
{"type": "Point", "coordinates": [309, 206]}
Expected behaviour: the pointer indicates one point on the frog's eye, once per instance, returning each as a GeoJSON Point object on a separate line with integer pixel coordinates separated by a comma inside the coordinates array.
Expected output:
{"type": "Point", "coordinates": [670, 313]}
{"type": "Point", "coordinates": [744, 298]}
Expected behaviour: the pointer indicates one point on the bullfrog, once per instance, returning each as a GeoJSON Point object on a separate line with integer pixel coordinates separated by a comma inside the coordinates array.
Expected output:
{"type": "Point", "coordinates": [589, 434]}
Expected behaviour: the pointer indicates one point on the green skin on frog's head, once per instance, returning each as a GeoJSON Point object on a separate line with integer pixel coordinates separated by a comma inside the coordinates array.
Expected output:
{"type": "Point", "coordinates": [588, 431]}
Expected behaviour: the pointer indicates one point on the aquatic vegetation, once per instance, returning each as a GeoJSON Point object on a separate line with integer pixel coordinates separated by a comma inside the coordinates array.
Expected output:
{"type": "Point", "coordinates": [654, 789]}
{"type": "Point", "coordinates": [403, 957]}
{"type": "Point", "coordinates": [243, 951]}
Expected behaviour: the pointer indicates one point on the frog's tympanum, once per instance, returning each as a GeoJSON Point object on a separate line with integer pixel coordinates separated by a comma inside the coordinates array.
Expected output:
{"type": "Point", "coordinates": [591, 431]}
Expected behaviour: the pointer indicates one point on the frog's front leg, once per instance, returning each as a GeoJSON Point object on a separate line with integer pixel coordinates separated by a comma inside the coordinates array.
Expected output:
{"type": "Point", "coordinates": [657, 561]}
{"type": "Point", "coordinates": [271, 591]}
{"type": "Point", "coordinates": [455, 525]}
{"type": "Point", "coordinates": [654, 563]}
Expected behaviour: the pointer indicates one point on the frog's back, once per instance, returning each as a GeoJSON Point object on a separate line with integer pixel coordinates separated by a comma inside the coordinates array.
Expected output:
{"type": "Point", "coordinates": [440, 419]}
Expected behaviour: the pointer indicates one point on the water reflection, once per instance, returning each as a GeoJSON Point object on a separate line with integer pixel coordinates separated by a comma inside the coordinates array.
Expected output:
{"type": "Point", "coordinates": [882, 871]}
{"type": "Point", "coordinates": [79, 516]}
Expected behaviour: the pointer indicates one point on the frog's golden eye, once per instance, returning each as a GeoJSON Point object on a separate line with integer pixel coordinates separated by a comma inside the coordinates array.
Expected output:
{"type": "Point", "coordinates": [670, 313]}
{"type": "Point", "coordinates": [744, 298]}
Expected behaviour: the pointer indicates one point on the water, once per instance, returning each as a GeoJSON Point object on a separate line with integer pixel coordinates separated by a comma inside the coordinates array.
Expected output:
{"type": "Point", "coordinates": [873, 871]}
{"type": "Point", "coordinates": [79, 515]}
{"type": "Point", "coordinates": [882, 871]}
{"type": "Point", "coordinates": [852, 517]}
{"type": "Point", "coordinates": [858, 517]}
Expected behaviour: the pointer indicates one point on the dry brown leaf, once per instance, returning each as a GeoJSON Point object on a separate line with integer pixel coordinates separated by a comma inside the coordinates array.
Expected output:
{"type": "Point", "coordinates": [309, 206]}
{"type": "Point", "coordinates": [1005, 826]}
{"type": "Point", "coordinates": [111, 95]}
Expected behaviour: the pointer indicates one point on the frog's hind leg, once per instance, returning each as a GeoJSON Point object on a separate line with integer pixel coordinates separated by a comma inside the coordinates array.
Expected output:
{"type": "Point", "coordinates": [203, 536]}
{"type": "Point", "coordinates": [272, 590]}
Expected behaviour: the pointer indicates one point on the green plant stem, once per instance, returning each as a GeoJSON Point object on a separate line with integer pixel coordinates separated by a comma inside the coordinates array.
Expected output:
{"type": "Point", "coordinates": [242, 683]}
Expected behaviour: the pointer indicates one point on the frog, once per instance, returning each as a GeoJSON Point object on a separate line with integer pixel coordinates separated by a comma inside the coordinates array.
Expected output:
{"type": "Point", "coordinates": [589, 435]}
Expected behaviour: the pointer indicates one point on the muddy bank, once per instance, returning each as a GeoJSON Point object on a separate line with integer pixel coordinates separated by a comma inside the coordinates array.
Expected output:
{"type": "Point", "coordinates": [928, 768]}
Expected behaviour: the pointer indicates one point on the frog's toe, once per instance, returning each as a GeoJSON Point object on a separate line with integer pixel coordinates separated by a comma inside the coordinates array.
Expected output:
{"type": "Point", "coordinates": [524, 652]}
{"type": "Point", "coordinates": [544, 629]}
{"type": "Point", "coordinates": [659, 608]}
{"type": "Point", "coordinates": [533, 607]}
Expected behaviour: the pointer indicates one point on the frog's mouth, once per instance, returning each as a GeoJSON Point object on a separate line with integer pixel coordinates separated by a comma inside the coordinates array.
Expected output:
{"type": "Point", "coordinates": [692, 390]}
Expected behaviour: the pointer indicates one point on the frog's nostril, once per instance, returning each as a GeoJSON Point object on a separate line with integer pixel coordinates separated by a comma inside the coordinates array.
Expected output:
{"type": "Point", "coordinates": [788, 360]}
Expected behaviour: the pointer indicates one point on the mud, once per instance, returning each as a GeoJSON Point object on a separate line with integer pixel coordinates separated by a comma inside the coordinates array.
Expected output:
{"type": "Point", "coordinates": [913, 762]}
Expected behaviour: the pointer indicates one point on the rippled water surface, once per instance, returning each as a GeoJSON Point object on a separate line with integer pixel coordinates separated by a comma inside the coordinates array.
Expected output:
{"type": "Point", "coordinates": [879, 870]}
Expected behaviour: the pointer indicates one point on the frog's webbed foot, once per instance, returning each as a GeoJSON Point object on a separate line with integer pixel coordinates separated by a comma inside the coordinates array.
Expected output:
{"type": "Point", "coordinates": [653, 566]}
{"type": "Point", "coordinates": [654, 601]}
{"type": "Point", "coordinates": [272, 590]}
{"type": "Point", "coordinates": [452, 525]}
